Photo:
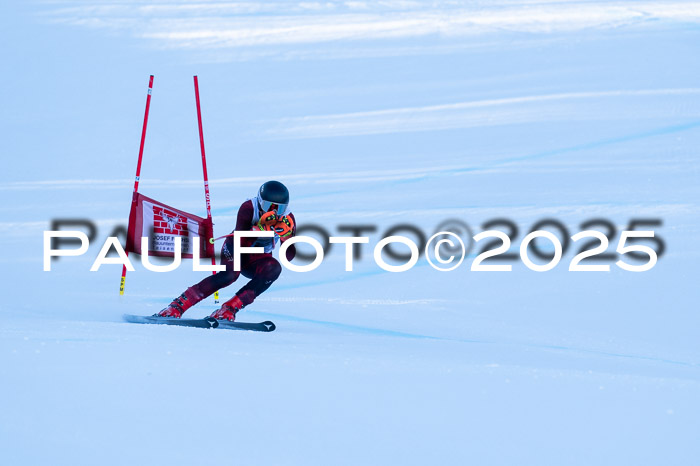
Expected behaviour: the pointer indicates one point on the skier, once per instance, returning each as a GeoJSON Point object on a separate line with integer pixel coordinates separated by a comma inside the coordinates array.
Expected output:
{"type": "Point", "coordinates": [268, 211]}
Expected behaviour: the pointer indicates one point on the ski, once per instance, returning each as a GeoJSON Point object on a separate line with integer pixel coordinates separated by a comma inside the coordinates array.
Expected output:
{"type": "Point", "coordinates": [207, 322]}
{"type": "Point", "coordinates": [266, 326]}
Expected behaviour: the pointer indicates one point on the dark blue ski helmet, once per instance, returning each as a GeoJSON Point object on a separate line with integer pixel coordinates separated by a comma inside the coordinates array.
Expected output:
{"type": "Point", "coordinates": [273, 195]}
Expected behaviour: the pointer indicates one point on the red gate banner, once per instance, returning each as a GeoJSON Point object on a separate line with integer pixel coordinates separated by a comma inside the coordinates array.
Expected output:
{"type": "Point", "coordinates": [161, 224]}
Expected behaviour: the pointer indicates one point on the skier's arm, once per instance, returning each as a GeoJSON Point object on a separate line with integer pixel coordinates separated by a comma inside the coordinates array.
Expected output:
{"type": "Point", "coordinates": [244, 220]}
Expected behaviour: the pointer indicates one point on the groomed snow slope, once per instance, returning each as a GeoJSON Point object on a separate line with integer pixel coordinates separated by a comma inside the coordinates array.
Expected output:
{"type": "Point", "coordinates": [373, 115]}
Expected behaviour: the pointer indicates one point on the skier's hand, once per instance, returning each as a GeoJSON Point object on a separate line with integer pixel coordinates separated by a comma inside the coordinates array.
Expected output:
{"type": "Point", "coordinates": [267, 221]}
{"type": "Point", "coordinates": [285, 228]}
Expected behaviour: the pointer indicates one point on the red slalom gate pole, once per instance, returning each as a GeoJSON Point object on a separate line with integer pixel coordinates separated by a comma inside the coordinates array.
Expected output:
{"type": "Point", "coordinates": [138, 168]}
{"type": "Point", "coordinates": [207, 198]}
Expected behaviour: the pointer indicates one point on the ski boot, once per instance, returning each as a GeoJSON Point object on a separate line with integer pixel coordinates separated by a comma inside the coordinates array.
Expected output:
{"type": "Point", "coordinates": [180, 304]}
{"type": "Point", "coordinates": [229, 309]}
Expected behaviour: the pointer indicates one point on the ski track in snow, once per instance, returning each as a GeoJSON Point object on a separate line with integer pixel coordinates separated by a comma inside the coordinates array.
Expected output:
{"type": "Point", "coordinates": [383, 175]}
{"type": "Point", "coordinates": [493, 112]}
{"type": "Point", "coordinates": [235, 31]}
{"type": "Point", "coordinates": [392, 333]}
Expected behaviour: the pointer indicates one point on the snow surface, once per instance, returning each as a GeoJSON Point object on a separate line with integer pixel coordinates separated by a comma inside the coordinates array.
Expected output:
{"type": "Point", "coordinates": [387, 113]}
